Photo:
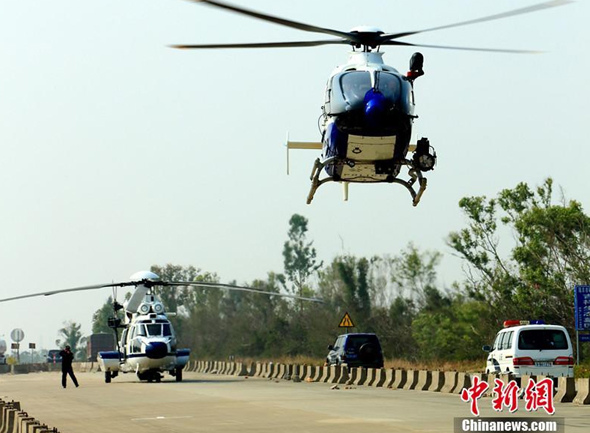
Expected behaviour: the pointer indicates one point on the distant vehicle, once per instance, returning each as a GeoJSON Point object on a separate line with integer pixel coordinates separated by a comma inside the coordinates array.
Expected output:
{"type": "Point", "coordinates": [2, 351]}
{"type": "Point", "coordinates": [101, 342]}
{"type": "Point", "coordinates": [531, 347]}
{"type": "Point", "coordinates": [356, 350]}
{"type": "Point", "coordinates": [53, 356]}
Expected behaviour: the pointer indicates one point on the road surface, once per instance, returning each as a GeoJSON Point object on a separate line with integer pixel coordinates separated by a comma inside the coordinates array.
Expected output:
{"type": "Point", "coordinates": [217, 403]}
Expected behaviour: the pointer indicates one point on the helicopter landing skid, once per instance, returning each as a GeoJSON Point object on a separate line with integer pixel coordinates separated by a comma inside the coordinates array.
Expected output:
{"type": "Point", "coordinates": [414, 173]}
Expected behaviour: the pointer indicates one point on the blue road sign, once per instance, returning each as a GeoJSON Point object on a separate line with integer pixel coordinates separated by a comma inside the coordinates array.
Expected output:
{"type": "Point", "coordinates": [584, 338]}
{"type": "Point", "coordinates": [582, 307]}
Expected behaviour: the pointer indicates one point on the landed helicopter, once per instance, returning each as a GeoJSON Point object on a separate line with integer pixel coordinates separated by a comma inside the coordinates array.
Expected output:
{"type": "Point", "coordinates": [368, 112]}
{"type": "Point", "coordinates": [148, 344]}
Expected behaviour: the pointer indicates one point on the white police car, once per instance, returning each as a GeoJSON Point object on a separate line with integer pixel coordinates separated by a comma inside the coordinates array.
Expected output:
{"type": "Point", "coordinates": [531, 347]}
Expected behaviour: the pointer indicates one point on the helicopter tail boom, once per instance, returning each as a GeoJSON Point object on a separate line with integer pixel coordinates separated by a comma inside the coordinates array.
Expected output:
{"type": "Point", "coordinates": [313, 145]}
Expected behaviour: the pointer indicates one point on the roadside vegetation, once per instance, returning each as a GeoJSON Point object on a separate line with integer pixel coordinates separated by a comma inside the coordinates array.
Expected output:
{"type": "Point", "coordinates": [523, 251]}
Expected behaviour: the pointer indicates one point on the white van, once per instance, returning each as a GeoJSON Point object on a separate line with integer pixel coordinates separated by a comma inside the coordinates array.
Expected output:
{"type": "Point", "coordinates": [534, 348]}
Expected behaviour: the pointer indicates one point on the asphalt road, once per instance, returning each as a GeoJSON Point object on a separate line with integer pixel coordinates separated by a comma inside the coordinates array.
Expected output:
{"type": "Point", "coordinates": [212, 403]}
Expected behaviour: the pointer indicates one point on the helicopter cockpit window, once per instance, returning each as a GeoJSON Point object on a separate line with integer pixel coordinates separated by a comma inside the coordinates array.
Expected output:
{"type": "Point", "coordinates": [389, 85]}
{"type": "Point", "coordinates": [141, 330]}
{"type": "Point", "coordinates": [155, 330]}
{"type": "Point", "coordinates": [354, 85]}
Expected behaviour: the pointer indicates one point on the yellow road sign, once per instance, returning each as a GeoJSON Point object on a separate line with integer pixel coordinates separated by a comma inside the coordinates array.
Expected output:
{"type": "Point", "coordinates": [346, 322]}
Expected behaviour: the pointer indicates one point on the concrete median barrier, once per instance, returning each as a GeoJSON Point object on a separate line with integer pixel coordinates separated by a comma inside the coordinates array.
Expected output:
{"type": "Point", "coordinates": [344, 375]}
{"type": "Point", "coordinates": [401, 377]}
{"type": "Point", "coordinates": [412, 380]}
{"type": "Point", "coordinates": [523, 381]}
{"type": "Point", "coordinates": [450, 381]}
{"type": "Point", "coordinates": [24, 422]}
{"type": "Point", "coordinates": [280, 371]}
{"type": "Point", "coordinates": [583, 391]}
{"type": "Point", "coordinates": [309, 372]}
{"type": "Point", "coordinates": [361, 376]}
{"type": "Point", "coordinates": [14, 420]}
{"type": "Point", "coordinates": [335, 371]}
{"type": "Point", "coordinates": [566, 390]}
{"type": "Point", "coordinates": [424, 380]}
{"type": "Point", "coordinates": [463, 381]}
{"type": "Point", "coordinates": [296, 373]}
{"type": "Point", "coordinates": [326, 374]}
{"type": "Point", "coordinates": [380, 377]}
{"type": "Point", "coordinates": [352, 375]}
{"type": "Point", "coordinates": [491, 384]}
{"type": "Point", "coordinates": [288, 372]}
{"type": "Point", "coordinates": [371, 376]}
{"type": "Point", "coordinates": [20, 369]}
{"type": "Point", "coordinates": [8, 420]}
{"type": "Point", "coordinates": [438, 381]}
{"type": "Point", "coordinates": [241, 369]}
{"type": "Point", "coordinates": [319, 370]}
{"type": "Point", "coordinates": [389, 378]}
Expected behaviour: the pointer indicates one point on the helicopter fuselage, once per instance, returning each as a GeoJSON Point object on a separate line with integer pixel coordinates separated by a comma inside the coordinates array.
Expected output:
{"type": "Point", "coordinates": [367, 119]}
{"type": "Point", "coordinates": [148, 343]}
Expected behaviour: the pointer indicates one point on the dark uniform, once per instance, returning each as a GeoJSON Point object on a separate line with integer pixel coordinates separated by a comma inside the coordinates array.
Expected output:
{"type": "Point", "coordinates": [66, 366]}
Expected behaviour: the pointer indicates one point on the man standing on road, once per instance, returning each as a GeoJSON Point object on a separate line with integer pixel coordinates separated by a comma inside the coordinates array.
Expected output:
{"type": "Point", "coordinates": [66, 366]}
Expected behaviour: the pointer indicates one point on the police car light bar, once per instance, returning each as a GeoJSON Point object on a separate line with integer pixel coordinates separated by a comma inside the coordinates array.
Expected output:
{"type": "Point", "coordinates": [509, 323]}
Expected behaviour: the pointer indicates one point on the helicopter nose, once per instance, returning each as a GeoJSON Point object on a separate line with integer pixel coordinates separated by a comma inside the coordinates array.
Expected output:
{"type": "Point", "coordinates": [375, 108]}
{"type": "Point", "coordinates": [156, 350]}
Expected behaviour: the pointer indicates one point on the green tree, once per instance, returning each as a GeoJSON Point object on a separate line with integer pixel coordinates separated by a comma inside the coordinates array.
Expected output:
{"type": "Point", "coordinates": [414, 273]}
{"type": "Point", "coordinates": [550, 254]}
{"type": "Point", "coordinates": [182, 301]}
{"type": "Point", "coordinates": [70, 335]}
{"type": "Point", "coordinates": [101, 317]}
{"type": "Point", "coordinates": [299, 255]}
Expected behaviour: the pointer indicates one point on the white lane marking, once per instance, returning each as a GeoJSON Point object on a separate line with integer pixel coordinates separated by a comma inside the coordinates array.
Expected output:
{"type": "Point", "coordinates": [161, 418]}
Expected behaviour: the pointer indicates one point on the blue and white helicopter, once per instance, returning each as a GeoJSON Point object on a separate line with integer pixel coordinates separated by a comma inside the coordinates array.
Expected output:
{"type": "Point", "coordinates": [368, 110]}
{"type": "Point", "coordinates": [148, 345]}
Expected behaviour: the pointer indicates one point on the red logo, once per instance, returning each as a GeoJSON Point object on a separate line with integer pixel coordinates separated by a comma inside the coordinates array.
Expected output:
{"type": "Point", "coordinates": [474, 393]}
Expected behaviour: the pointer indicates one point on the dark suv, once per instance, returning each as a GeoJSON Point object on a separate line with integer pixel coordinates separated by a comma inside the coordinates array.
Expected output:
{"type": "Point", "coordinates": [356, 350]}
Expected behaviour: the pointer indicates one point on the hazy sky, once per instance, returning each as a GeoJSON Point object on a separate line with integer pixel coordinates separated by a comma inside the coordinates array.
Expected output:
{"type": "Point", "coordinates": [119, 152]}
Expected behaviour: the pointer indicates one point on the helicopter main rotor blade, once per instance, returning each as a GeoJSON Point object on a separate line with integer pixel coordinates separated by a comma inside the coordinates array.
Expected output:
{"type": "Point", "coordinates": [151, 283]}
{"type": "Point", "coordinates": [449, 47]}
{"type": "Point", "coordinates": [238, 288]}
{"type": "Point", "coordinates": [263, 44]}
{"type": "Point", "coordinates": [277, 20]}
{"type": "Point", "coordinates": [514, 12]}
{"type": "Point", "coordinates": [74, 289]}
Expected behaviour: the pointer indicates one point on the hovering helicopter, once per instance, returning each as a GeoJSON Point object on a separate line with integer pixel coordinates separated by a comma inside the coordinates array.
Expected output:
{"type": "Point", "coordinates": [368, 112]}
{"type": "Point", "coordinates": [148, 344]}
